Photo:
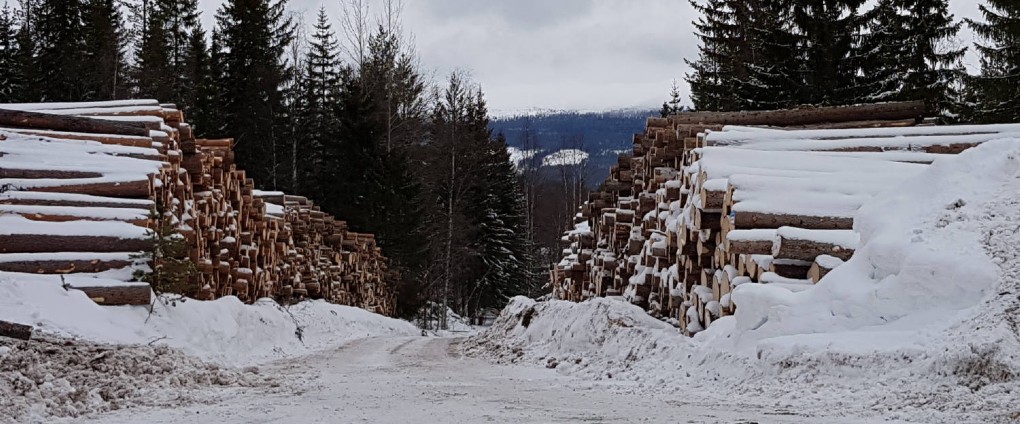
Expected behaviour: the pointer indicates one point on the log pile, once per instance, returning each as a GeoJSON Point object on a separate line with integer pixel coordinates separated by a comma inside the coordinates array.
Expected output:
{"type": "Point", "coordinates": [80, 182]}
{"type": "Point", "coordinates": [711, 202]}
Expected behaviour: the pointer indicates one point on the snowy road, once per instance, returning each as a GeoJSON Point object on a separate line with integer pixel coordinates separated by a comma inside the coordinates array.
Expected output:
{"type": "Point", "coordinates": [426, 380]}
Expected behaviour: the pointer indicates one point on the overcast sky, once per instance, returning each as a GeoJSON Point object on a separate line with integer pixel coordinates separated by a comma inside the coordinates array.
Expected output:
{"type": "Point", "coordinates": [558, 54]}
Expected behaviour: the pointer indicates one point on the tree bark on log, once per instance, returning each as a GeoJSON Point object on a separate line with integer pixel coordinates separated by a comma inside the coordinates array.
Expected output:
{"type": "Point", "coordinates": [127, 294]}
{"type": "Point", "coordinates": [749, 247]}
{"type": "Point", "coordinates": [752, 220]}
{"type": "Point", "coordinates": [808, 250]}
{"type": "Point", "coordinates": [46, 173]}
{"type": "Point", "coordinates": [128, 189]}
{"type": "Point", "coordinates": [107, 202]}
{"type": "Point", "coordinates": [63, 266]}
{"type": "Point", "coordinates": [45, 121]}
{"type": "Point", "coordinates": [808, 115]}
{"type": "Point", "coordinates": [48, 243]}
{"type": "Point", "coordinates": [795, 271]}
{"type": "Point", "coordinates": [15, 331]}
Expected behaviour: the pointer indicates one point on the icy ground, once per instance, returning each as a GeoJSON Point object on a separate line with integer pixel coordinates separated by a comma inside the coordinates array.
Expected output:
{"type": "Point", "coordinates": [427, 380]}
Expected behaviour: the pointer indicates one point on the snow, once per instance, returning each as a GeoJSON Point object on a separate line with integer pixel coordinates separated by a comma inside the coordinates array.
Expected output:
{"type": "Point", "coordinates": [751, 235]}
{"type": "Point", "coordinates": [565, 157]}
{"type": "Point", "coordinates": [224, 331]}
{"type": "Point", "coordinates": [519, 156]}
{"type": "Point", "coordinates": [828, 262]}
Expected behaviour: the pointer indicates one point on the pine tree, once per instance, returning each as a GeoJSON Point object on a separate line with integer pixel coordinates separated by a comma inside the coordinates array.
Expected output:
{"type": "Point", "coordinates": [996, 92]}
{"type": "Point", "coordinates": [10, 77]}
{"type": "Point", "coordinates": [104, 66]}
{"type": "Point", "coordinates": [828, 42]}
{"type": "Point", "coordinates": [255, 35]}
{"type": "Point", "coordinates": [906, 60]}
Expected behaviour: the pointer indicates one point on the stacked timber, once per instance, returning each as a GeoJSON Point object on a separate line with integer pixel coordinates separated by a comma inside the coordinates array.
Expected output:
{"type": "Point", "coordinates": [81, 183]}
{"type": "Point", "coordinates": [723, 199]}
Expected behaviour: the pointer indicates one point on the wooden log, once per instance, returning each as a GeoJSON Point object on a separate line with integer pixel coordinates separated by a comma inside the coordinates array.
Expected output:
{"type": "Point", "coordinates": [822, 266]}
{"type": "Point", "coordinates": [790, 269]}
{"type": "Point", "coordinates": [15, 330]}
{"type": "Point", "coordinates": [48, 243]}
{"type": "Point", "coordinates": [24, 119]}
{"type": "Point", "coordinates": [750, 242]}
{"type": "Point", "coordinates": [118, 295]}
{"type": "Point", "coordinates": [743, 220]}
{"type": "Point", "coordinates": [8, 172]}
{"type": "Point", "coordinates": [64, 266]}
{"type": "Point", "coordinates": [116, 140]}
{"type": "Point", "coordinates": [808, 115]}
{"type": "Point", "coordinates": [806, 245]}
{"type": "Point", "coordinates": [138, 189]}
{"type": "Point", "coordinates": [85, 201]}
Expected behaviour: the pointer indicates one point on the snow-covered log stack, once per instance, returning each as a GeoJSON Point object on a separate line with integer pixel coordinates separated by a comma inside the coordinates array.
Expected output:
{"type": "Point", "coordinates": [80, 181]}
{"type": "Point", "coordinates": [716, 205]}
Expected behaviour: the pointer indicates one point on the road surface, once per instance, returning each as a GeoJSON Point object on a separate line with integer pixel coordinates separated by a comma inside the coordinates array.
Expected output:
{"type": "Point", "coordinates": [425, 380]}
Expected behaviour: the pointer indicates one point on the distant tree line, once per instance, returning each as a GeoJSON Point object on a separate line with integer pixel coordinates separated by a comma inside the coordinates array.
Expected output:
{"type": "Point", "coordinates": [772, 54]}
{"type": "Point", "coordinates": [347, 120]}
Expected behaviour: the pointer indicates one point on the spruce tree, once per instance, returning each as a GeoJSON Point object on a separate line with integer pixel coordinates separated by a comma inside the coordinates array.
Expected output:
{"type": "Point", "coordinates": [906, 59]}
{"type": "Point", "coordinates": [104, 65]}
{"type": "Point", "coordinates": [255, 35]}
{"type": "Point", "coordinates": [828, 33]}
{"type": "Point", "coordinates": [170, 31]}
{"type": "Point", "coordinates": [996, 92]}
{"type": "Point", "coordinates": [25, 61]}
{"type": "Point", "coordinates": [316, 104]}
{"type": "Point", "coordinates": [59, 31]}
{"type": "Point", "coordinates": [716, 70]}
{"type": "Point", "coordinates": [10, 77]}
{"type": "Point", "coordinates": [773, 78]}
{"type": "Point", "coordinates": [207, 114]}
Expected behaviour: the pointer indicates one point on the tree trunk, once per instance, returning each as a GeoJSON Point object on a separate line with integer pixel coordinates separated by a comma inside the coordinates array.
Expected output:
{"type": "Point", "coordinates": [138, 189]}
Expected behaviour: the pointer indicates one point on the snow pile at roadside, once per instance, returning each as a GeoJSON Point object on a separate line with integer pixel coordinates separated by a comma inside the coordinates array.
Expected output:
{"type": "Point", "coordinates": [224, 331]}
{"type": "Point", "coordinates": [921, 324]}
{"type": "Point", "coordinates": [63, 378]}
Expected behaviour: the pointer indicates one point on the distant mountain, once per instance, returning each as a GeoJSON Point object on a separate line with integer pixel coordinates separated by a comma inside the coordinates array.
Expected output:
{"type": "Point", "coordinates": [551, 138]}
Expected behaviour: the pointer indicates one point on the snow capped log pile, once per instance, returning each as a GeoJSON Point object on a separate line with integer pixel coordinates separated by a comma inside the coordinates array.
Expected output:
{"type": "Point", "coordinates": [704, 205]}
{"type": "Point", "coordinates": [80, 181]}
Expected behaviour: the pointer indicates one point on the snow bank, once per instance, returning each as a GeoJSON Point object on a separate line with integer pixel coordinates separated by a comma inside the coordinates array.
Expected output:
{"type": "Point", "coordinates": [224, 331]}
